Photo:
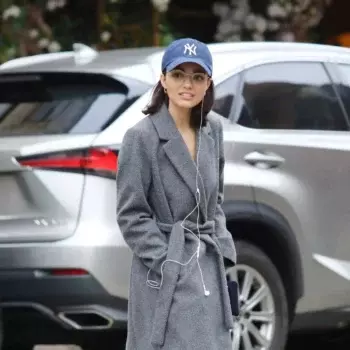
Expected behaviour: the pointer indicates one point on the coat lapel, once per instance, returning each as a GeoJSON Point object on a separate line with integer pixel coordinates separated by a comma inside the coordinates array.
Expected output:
{"type": "Point", "coordinates": [207, 166]}
{"type": "Point", "coordinates": [179, 156]}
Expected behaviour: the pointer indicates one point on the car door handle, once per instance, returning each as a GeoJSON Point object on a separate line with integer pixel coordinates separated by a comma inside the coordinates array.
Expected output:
{"type": "Point", "coordinates": [264, 160]}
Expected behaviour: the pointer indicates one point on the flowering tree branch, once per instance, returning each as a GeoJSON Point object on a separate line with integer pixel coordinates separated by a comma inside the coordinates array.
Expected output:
{"type": "Point", "coordinates": [288, 20]}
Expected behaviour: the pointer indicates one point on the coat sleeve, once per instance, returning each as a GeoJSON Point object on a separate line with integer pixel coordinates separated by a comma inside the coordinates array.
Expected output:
{"type": "Point", "coordinates": [134, 214]}
{"type": "Point", "coordinates": [224, 236]}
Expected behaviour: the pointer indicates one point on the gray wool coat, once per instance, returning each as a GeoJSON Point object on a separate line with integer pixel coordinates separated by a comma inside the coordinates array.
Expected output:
{"type": "Point", "coordinates": [156, 190]}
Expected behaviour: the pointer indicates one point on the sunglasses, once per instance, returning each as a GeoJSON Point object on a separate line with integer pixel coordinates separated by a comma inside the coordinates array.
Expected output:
{"type": "Point", "coordinates": [180, 76]}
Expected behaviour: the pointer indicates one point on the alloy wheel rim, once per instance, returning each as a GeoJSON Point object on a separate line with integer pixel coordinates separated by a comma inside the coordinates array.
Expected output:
{"type": "Point", "coordinates": [255, 326]}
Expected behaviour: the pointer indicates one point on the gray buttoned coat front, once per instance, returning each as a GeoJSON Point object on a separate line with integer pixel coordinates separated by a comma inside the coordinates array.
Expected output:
{"type": "Point", "coordinates": [156, 190]}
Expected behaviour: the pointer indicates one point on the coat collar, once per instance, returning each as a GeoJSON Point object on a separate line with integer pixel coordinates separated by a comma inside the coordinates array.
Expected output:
{"type": "Point", "coordinates": [179, 156]}
{"type": "Point", "coordinates": [166, 127]}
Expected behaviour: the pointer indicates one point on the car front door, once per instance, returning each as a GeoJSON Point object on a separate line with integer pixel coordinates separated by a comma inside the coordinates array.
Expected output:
{"type": "Point", "coordinates": [301, 152]}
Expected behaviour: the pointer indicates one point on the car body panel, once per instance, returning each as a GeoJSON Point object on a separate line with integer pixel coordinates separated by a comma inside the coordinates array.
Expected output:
{"type": "Point", "coordinates": [34, 206]}
{"type": "Point", "coordinates": [316, 210]}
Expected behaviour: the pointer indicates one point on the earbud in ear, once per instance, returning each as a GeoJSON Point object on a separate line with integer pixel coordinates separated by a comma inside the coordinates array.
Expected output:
{"type": "Point", "coordinates": [206, 293]}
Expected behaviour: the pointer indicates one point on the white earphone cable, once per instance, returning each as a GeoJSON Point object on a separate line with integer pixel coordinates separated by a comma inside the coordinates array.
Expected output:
{"type": "Point", "coordinates": [157, 285]}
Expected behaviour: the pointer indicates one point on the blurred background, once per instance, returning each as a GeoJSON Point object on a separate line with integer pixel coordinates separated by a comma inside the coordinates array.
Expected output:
{"type": "Point", "coordinates": [31, 27]}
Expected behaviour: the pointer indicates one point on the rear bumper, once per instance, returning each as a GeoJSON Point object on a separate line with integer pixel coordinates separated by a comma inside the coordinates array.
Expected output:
{"type": "Point", "coordinates": [78, 303]}
{"type": "Point", "coordinates": [95, 247]}
{"type": "Point", "coordinates": [96, 300]}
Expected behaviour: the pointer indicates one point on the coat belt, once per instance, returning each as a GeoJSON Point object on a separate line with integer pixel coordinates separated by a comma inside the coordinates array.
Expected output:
{"type": "Point", "coordinates": [207, 228]}
{"type": "Point", "coordinates": [175, 252]}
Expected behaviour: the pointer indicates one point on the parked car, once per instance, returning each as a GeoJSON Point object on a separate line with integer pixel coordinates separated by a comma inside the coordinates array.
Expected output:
{"type": "Point", "coordinates": [285, 110]}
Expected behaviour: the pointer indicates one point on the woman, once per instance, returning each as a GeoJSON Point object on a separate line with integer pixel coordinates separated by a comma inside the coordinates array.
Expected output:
{"type": "Point", "coordinates": [170, 190]}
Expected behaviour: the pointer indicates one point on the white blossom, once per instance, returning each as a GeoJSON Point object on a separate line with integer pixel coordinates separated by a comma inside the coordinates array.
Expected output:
{"type": "Point", "coordinates": [273, 26]}
{"type": "Point", "coordinates": [61, 3]}
{"type": "Point", "coordinates": [235, 38]}
{"type": "Point", "coordinates": [236, 28]}
{"type": "Point", "coordinates": [54, 46]}
{"type": "Point", "coordinates": [43, 43]}
{"type": "Point", "coordinates": [313, 21]}
{"type": "Point", "coordinates": [11, 12]}
{"type": "Point", "coordinates": [225, 27]}
{"type": "Point", "coordinates": [33, 33]}
{"type": "Point", "coordinates": [105, 36]}
{"type": "Point", "coordinates": [217, 36]}
{"type": "Point", "coordinates": [287, 36]}
{"type": "Point", "coordinates": [315, 17]}
{"type": "Point", "coordinates": [16, 11]}
{"type": "Point", "coordinates": [258, 37]}
{"type": "Point", "coordinates": [220, 10]}
{"type": "Point", "coordinates": [250, 21]}
{"type": "Point", "coordinates": [239, 15]}
{"type": "Point", "coordinates": [275, 10]}
{"type": "Point", "coordinates": [161, 5]}
{"type": "Point", "coordinates": [51, 5]}
{"type": "Point", "coordinates": [232, 19]}
{"type": "Point", "coordinates": [261, 24]}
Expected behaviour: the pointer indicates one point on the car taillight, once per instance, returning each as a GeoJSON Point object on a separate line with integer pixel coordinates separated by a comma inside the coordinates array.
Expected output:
{"type": "Point", "coordinates": [95, 161]}
{"type": "Point", "coordinates": [68, 272]}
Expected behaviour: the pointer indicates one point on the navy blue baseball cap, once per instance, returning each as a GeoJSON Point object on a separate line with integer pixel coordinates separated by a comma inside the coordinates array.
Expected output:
{"type": "Point", "coordinates": [187, 50]}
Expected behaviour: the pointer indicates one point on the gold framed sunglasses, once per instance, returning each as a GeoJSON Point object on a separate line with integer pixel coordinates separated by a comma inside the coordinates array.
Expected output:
{"type": "Point", "coordinates": [180, 76]}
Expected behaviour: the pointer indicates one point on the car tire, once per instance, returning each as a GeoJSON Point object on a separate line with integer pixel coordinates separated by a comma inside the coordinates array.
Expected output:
{"type": "Point", "coordinates": [269, 317]}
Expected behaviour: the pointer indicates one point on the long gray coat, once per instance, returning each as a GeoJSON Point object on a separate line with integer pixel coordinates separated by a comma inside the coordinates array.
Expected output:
{"type": "Point", "coordinates": [156, 186]}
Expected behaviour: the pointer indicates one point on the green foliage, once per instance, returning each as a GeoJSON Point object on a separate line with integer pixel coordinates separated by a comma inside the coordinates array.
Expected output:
{"type": "Point", "coordinates": [31, 26]}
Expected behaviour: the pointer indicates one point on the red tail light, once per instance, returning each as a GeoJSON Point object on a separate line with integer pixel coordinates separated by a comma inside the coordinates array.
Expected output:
{"type": "Point", "coordinates": [96, 161]}
{"type": "Point", "coordinates": [68, 272]}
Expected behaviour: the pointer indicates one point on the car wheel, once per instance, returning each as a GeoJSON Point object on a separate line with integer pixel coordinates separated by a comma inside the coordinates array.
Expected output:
{"type": "Point", "coordinates": [263, 321]}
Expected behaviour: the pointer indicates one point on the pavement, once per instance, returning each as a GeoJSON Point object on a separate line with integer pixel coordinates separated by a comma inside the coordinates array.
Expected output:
{"type": "Point", "coordinates": [335, 341]}
{"type": "Point", "coordinates": [57, 347]}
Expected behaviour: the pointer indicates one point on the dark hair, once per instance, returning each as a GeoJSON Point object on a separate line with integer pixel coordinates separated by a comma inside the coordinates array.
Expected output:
{"type": "Point", "coordinates": [159, 97]}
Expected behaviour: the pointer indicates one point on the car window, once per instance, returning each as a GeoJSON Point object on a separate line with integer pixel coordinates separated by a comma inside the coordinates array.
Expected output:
{"type": "Point", "coordinates": [52, 103]}
{"type": "Point", "coordinates": [343, 88]}
{"type": "Point", "coordinates": [291, 95]}
{"type": "Point", "coordinates": [225, 93]}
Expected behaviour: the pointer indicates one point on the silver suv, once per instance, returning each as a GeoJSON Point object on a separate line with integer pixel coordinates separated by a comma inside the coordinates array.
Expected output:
{"type": "Point", "coordinates": [285, 109]}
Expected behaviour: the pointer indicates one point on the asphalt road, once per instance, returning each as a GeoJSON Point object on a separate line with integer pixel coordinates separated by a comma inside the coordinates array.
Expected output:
{"type": "Point", "coordinates": [334, 341]}
{"type": "Point", "coordinates": [339, 340]}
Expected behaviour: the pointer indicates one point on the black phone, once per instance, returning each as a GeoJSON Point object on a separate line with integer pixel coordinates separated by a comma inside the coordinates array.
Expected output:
{"type": "Point", "coordinates": [233, 292]}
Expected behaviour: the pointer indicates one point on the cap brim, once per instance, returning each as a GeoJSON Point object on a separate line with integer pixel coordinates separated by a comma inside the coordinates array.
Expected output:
{"type": "Point", "coordinates": [182, 60]}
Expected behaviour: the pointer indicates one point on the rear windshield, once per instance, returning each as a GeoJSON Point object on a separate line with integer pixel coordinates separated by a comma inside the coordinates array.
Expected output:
{"type": "Point", "coordinates": [59, 103]}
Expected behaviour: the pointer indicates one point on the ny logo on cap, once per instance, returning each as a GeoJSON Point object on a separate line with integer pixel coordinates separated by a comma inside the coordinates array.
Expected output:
{"type": "Point", "coordinates": [190, 49]}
